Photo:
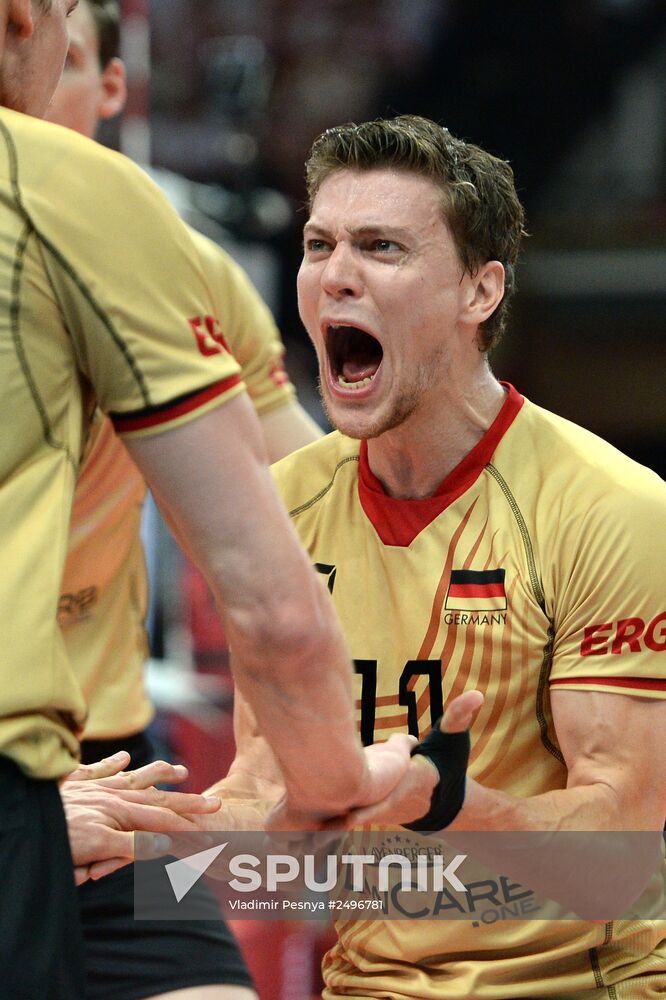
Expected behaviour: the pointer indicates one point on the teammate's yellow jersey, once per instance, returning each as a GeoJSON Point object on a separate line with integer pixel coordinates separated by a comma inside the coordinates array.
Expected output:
{"type": "Point", "coordinates": [539, 562]}
{"type": "Point", "coordinates": [104, 591]}
{"type": "Point", "coordinates": [104, 299]}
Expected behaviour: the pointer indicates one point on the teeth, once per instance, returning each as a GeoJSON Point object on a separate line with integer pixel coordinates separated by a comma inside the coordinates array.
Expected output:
{"type": "Point", "coordinates": [354, 385]}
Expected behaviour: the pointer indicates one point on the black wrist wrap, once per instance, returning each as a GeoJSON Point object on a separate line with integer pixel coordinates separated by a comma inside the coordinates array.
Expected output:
{"type": "Point", "coordinates": [449, 752]}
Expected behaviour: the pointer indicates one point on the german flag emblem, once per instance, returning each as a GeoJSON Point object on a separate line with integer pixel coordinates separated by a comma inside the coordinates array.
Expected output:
{"type": "Point", "coordinates": [476, 590]}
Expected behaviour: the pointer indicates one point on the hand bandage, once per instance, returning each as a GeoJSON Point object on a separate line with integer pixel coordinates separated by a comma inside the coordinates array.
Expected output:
{"type": "Point", "coordinates": [449, 752]}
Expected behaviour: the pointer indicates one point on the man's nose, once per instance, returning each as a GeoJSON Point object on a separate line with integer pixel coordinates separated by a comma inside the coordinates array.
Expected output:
{"type": "Point", "coordinates": [341, 276]}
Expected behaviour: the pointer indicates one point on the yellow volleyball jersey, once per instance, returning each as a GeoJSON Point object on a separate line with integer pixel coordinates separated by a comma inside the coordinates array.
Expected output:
{"type": "Point", "coordinates": [103, 600]}
{"type": "Point", "coordinates": [521, 573]}
{"type": "Point", "coordinates": [104, 299]}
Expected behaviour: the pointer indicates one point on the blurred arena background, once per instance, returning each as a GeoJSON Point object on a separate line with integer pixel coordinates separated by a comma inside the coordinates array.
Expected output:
{"type": "Point", "coordinates": [225, 99]}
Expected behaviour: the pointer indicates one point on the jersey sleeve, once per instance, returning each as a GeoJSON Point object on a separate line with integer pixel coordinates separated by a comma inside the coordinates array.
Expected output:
{"type": "Point", "coordinates": [131, 288]}
{"type": "Point", "coordinates": [610, 619]}
{"type": "Point", "coordinates": [248, 326]}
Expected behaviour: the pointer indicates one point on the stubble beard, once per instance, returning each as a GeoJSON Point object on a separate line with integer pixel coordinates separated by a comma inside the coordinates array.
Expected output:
{"type": "Point", "coordinates": [402, 408]}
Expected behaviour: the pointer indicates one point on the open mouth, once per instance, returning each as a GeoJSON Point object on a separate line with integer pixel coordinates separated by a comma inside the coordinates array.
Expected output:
{"type": "Point", "coordinates": [354, 356]}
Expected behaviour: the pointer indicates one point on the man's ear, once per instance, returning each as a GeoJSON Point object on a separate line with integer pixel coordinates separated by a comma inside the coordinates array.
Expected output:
{"type": "Point", "coordinates": [486, 290]}
{"type": "Point", "coordinates": [114, 86]}
{"type": "Point", "coordinates": [20, 20]}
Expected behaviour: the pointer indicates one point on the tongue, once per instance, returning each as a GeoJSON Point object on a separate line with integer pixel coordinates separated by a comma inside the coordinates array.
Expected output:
{"type": "Point", "coordinates": [356, 371]}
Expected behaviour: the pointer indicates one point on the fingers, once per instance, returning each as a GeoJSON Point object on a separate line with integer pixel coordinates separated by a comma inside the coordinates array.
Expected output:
{"type": "Point", "coordinates": [101, 868]}
{"type": "Point", "coordinates": [411, 796]}
{"type": "Point", "coordinates": [92, 806]}
{"type": "Point", "coordinates": [387, 763]}
{"type": "Point", "coordinates": [177, 802]}
{"type": "Point", "coordinates": [401, 744]}
{"type": "Point", "coordinates": [159, 772]}
{"type": "Point", "coordinates": [138, 816]}
{"type": "Point", "coordinates": [409, 799]}
{"type": "Point", "coordinates": [96, 841]}
{"type": "Point", "coordinates": [111, 771]}
{"type": "Point", "coordinates": [101, 827]}
{"type": "Point", "coordinates": [101, 768]}
{"type": "Point", "coordinates": [81, 874]}
{"type": "Point", "coordinates": [100, 852]}
{"type": "Point", "coordinates": [460, 713]}
{"type": "Point", "coordinates": [151, 847]}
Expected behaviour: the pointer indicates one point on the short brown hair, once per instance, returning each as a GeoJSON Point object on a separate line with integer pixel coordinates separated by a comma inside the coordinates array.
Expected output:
{"type": "Point", "coordinates": [106, 15]}
{"type": "Point", "coordinates": [479, 199]}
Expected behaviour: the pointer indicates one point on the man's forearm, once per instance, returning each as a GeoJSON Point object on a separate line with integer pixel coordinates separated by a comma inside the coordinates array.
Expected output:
{"type": "Point", "coordinates": [603, 842]}
{"type": "Point", "coordinates": [567, 845]}
{"type": "Point", "coordinates": [292, 664]}
{"type": "Point", "coordinates": [587, 807]}
{"type": "Point", "coordinates": [304, 711]}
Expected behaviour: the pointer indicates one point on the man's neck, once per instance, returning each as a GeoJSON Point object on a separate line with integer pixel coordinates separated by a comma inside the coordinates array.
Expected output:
{"type": "Point", "coordinates": [413, 459]}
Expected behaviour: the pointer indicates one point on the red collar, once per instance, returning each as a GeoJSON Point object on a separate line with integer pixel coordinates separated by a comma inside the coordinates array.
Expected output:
{"type": "Point", "coordinates": [398, 522]}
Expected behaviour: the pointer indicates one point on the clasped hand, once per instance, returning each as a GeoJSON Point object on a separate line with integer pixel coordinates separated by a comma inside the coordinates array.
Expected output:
{"type": "Point", "coordinates": [399, 789]}
{"type": "Point", "coordinates": [105, 804]}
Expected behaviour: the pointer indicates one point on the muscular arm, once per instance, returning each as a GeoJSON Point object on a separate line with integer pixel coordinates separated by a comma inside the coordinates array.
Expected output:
{"type": "Point", "coordinates": [215, 490]}
{"type": "Point", "coordinates": [613, 748]}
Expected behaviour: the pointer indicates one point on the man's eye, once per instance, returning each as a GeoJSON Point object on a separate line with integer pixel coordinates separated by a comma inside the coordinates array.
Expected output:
{"type": "Point", "coordinates": [316, 246]}
{"type": "Point", "coordinates": [386, 246]}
